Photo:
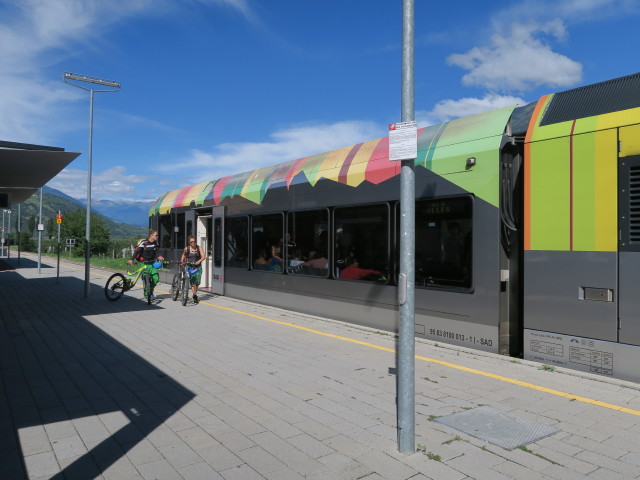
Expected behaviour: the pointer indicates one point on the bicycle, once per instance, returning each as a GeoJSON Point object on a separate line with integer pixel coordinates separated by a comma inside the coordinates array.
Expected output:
{"type": "Point", "coordinates": [181, 284]}
{"type": "Point", "coordinates": [118, 283]}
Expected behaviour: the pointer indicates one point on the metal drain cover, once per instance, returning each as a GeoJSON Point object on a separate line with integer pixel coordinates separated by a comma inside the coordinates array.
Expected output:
{"type": "Point", "coordinates": [497, 427]}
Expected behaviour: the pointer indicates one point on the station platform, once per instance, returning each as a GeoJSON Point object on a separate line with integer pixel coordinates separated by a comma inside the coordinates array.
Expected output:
{"type": "Point", "coordinates": [232, 390]}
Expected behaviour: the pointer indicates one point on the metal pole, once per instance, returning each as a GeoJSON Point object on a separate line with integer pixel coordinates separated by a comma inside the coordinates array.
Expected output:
{"type": "Point", "coordinates": [58, 273]}
{"type": "Point", "coordinates": [2, 241]}
{"type": "Point", "coordinates": [68, 77]}
{"type": "Point", "coordinates": [9, 237]}
{"type": "Point", "coordinates": [406, 280]}
{"type": "Point", "coordinates": [87, 252]}
{"type": "Point", "coordinates": [19, 234]}
{"type": "Point", "coordinates": [40, 233]}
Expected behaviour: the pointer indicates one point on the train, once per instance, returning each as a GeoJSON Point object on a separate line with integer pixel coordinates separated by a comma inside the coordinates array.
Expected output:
{"type": "Point", "coordinates": [527, 231]}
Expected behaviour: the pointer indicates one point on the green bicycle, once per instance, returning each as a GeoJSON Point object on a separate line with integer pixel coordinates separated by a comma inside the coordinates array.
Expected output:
{"type": "Point", "coordinates": [118, 283]}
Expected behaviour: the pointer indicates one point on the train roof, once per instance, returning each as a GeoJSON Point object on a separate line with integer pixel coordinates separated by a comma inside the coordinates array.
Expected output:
{"type": "Point", "coordinates": [591, 100]}
{"type": "Point", "coordinates": [352, 165]}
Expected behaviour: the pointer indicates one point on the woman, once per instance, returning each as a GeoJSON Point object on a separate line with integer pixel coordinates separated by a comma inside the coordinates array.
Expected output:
{"type": "Point", "coordinates": [194, 255]}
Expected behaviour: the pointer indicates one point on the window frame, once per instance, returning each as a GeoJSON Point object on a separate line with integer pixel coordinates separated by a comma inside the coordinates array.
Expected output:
{"type": "Point", "coordinates": [227, 243]}
{"type": "Point", "coordinates": [251, 239]}
{"type": "Point", "coordinates": [435, 286]}
{"type": "Point", "coordinates": [389, 236]}
{"type": "Point", "coordinates": [304, 273]}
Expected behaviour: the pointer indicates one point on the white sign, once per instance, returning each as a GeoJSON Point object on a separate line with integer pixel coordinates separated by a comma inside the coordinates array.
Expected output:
{"type": "Point", "coordinates": [403, 141]}
{"type": "Point", "coordinates": [41, 227]}
{"type": "Point", "coordinates": [71, 242]}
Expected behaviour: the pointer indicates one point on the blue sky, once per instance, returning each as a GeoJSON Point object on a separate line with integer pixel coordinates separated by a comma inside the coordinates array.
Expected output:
{"type": "Point", "coordinates": [216, 87]}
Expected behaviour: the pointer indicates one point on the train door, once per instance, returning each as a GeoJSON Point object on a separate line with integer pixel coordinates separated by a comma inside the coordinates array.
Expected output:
{"type": "Point", "coordinates": [217, 251]}
{"type": "Point", "coordinates": [203, 235]}
{"type": "Point", "coordinates": [629, 249]}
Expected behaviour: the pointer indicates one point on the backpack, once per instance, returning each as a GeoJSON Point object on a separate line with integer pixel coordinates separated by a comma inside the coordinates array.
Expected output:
{"type": "Point", "coordinates": [140, 250]}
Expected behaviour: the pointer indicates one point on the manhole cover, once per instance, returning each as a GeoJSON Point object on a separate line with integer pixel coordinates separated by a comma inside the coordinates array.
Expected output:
{"type": "Point", "coordinates": [497, 427]}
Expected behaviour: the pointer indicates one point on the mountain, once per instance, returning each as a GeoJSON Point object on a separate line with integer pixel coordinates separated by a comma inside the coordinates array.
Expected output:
{"type": "Point", "coordinates": [54, 201]}
{"type": "Point", "coordinates": [135, 213]}
{"type": "Point", "coordinates": [132, 213]}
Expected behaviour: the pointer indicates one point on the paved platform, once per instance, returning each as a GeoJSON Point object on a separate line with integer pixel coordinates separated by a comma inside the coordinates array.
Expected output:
{"type": "Point", "coordinates": [238, 391]}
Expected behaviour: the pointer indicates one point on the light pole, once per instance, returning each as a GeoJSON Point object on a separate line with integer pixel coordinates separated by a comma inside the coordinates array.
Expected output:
{"type": "Point", "coordinates": [115, 86]}
{"type": "Point", "coordinates": [9, 237]}
{"type": "Point", "coordinates": [2, 241]}
{"type": "Point", "coordinates": [406, 279]}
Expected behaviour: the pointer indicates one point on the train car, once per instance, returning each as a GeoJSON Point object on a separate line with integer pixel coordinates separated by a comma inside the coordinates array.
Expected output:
{"type": "Point", "coordinates": [527, 231]}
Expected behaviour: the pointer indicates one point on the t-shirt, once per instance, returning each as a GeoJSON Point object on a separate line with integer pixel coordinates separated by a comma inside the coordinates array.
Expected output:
{"type": "Point", "coordinates": [192, 257]}
{"type": "Point", "coordinates": [146, 251]}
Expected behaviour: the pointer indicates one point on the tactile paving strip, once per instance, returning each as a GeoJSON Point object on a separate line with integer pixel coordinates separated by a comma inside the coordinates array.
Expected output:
{"type": "Point", "coordinates": [497, 427]}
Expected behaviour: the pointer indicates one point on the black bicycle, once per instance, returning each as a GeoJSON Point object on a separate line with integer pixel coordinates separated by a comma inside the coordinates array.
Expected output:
{"type": "Point", "coordinates": [181, 283]}
{"type": "Point", "coordinates": [118, 283]}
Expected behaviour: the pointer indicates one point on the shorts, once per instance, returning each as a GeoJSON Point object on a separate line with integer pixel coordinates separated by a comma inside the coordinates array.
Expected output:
{"type": "Point", "coordinates": [195, 278]}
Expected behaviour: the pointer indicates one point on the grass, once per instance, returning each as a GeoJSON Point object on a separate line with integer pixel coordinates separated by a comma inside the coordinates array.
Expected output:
{"type": "Point", "coordinates": [430, 455]}
{"type": "Point", "coordinates": [525, 449]}
{"type": "Point", "coordinates": [457, 438]}
{"type": "Point", "coordinates": [547, 368]}
{"type": "Point", "coordinates": [117, 264]}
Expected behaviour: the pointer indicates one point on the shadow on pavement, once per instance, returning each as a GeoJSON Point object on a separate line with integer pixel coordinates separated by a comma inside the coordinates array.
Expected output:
{"type": "Point", "coordinates": [56, 367]}
{"type": "Point", "coordinates": [24, 262]}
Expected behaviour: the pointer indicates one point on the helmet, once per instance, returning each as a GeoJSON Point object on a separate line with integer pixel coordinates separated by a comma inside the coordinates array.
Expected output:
{"type": "Point", "coordinates": [157, 265]}
{"type": "Point", "coordinates": [191, 271]}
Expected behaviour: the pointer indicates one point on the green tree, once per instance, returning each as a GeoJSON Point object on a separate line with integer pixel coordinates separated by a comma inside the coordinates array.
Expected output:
{"type": "Point", "coordinates": [31, 225]}
{"type": "Point", "coordinates": [74, 226]}
{"type": "Point", "coordinates": [51, 227]}
{"type": "Point", "coordinates": [27, 244]}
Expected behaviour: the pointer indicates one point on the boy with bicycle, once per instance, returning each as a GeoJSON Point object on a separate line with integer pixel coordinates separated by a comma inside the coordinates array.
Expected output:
{"type": "Point", "coordinates": [147, 252]}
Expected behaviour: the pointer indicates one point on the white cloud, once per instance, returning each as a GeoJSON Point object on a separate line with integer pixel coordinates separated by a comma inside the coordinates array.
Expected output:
{"type": "Point", "coordinates": [33, 34]}
{"type": "Point", "coordinates": [527, 49]}
{"type": "Point", "coordinates": [224, 159]}
{"type": "Point", "coordinates": [285, 145]}
{"type": "Point", "coordinates": [112, 184]}
{"type": "Point", "coordinates": [449, 109]}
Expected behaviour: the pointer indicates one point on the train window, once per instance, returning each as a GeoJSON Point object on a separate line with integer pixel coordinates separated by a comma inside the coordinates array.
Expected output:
{"type": "Point", "coordinates": [165, 231]}
{"type": "Point", "coordinates": [266, 242]}
{"type": "Point", "coordinates": [444, 242]}
{"type": "Point", "coordinates": [237, 231]}
{"type": "Point", "coordinates": [361, 240]}
{"type": "Point", "coordinates": [307, 243]}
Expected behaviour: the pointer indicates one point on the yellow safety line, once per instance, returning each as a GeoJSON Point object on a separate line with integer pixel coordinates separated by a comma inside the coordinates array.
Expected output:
{"type": "Point", "coordinates": [501, 378]}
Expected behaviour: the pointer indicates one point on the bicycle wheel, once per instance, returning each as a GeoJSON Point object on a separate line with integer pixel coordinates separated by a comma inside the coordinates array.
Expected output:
{"type": "Point", "coordinates": [146, 282]}
{"type": "Point", "coordinates": [114, 287]}
{"type": "Point", "coordinates": [185, 289]}
{"type": "Point", "coordinates": [175, 287]}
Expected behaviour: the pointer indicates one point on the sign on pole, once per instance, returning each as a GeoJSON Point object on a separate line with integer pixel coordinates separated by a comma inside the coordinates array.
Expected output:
{"type": "Point", "coordinates": [403, 141]}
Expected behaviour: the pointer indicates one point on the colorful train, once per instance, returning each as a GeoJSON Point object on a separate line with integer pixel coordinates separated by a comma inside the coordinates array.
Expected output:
{"type": "Point", "coordinates": [527, 231]}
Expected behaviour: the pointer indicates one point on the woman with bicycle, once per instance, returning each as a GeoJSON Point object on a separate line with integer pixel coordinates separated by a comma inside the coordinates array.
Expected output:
{"type": "Point", "coordinates": [147, 252]}
{"type": "Point", "coordinates": [193, 254]}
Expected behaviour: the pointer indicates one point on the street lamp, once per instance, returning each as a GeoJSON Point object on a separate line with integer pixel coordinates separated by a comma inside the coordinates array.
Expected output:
{"type": "Point", "coordinates": [2, 241]}
{"type": "Point", "coordinates": [9, 236]}
{"type": "Point", "coordinates": [115, 86]}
